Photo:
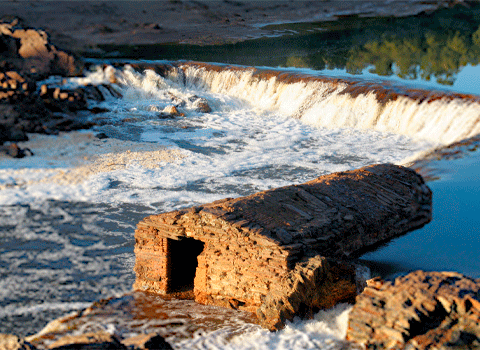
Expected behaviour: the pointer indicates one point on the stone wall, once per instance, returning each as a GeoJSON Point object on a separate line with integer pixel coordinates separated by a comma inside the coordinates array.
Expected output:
{"type": "Point", "coordinates": [276, 251]}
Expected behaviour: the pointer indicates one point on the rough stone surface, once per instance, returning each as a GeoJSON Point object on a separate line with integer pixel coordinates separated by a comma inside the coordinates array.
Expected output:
{"type": "Point", "coordinates": [139, 319]}
{"type": "Point", "coordinates": [30, 51]}
{"type": "Point", "coordinates": [12, 342]}
{"type": "Point", "coordinates": [272, 253]}
{"type": "Point", "coordinates": [422, 310]}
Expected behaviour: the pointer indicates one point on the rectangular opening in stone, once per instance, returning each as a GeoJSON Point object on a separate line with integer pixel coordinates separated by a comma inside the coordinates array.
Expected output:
{"type": "Point", "coordinates": [183, 263]}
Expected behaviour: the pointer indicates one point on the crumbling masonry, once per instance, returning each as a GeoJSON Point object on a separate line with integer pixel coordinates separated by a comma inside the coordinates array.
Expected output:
{"type": "Point", "coordinates": [281, 252]}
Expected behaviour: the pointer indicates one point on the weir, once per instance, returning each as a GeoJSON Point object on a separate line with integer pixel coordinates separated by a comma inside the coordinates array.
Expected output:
{"type": "Point", "coordinates": [437, 116]}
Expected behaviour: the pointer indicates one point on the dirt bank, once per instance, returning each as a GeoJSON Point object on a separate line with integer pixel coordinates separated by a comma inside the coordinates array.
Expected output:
{"type": "Point", "coordinates": [80, 26]}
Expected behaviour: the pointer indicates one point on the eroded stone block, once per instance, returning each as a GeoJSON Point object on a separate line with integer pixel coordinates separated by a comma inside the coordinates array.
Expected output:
{"type": "Point", "coordinates": [281, 252]}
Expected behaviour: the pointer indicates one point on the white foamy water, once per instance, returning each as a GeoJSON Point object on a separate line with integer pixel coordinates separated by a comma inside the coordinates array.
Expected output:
{"type": "Point", "coordinates": [324, 103]}
{"type": "Point", "coordinates": [68, 213]}
{"type": "Point", "coordinates": [325, 331]}
{"type": "Point", "coordinates": [248, 142]}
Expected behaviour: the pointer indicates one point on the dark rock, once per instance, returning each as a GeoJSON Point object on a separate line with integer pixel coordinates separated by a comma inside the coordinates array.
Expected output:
{"type": "Point", "coordinates": [200, 104]}
{"type": "Point", "coordinates": [279, 253]}
{"type": "Point", "coordinates": [101, 136]}
{"type": "Point", "coordinates": [12, 342]}
{"type": "Point", "coordinates": [14, 151]}
{"type": "Point", "coordinates": [147, 342]}
{"type": "Point", "coordinates": [92, 92]}
{"type": "Point", "coordinates": [98, 110]}
{"type": "Point", "coordinates": [422, 310]}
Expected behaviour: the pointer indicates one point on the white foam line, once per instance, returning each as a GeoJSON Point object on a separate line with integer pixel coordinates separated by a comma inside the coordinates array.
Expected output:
{"type": "Point", "coordinates": [15, 310]}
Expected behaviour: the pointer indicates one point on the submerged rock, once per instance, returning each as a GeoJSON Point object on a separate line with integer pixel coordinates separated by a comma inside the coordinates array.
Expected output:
{"type": "Point", "coordinates": [170, 112]}
{"type": "Point", "coordinates": [201, 105]}
{"type": "Point", "coordinates": [14, 151]}
{"type": "Point", "coordinates": [279, 253]}
{"type": "Point", "coordinates": [422, 310]}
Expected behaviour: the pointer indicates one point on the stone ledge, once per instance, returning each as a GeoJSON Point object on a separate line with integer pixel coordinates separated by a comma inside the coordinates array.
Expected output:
{"type": "Point", "coordinates": [422, 310]}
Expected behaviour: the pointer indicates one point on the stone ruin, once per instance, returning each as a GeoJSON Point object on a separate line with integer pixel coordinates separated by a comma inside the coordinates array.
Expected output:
{"type": "Point", "coordinates": [282, 252]}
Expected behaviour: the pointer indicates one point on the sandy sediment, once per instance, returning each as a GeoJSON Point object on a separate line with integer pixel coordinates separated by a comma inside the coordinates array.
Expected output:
{"type": "Point", "coordinates": [80, 26]}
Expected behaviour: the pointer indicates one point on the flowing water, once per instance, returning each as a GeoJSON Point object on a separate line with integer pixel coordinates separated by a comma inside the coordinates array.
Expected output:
{"type": "Point", "coordinates": [67, 214]}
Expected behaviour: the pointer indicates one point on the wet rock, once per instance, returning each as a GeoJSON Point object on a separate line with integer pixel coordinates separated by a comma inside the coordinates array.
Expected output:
{"type": "Point", "coordinates": [98, 110]}
{"type": "Point", "coordinates": [200, 104]}
{"type": "Point", "coordinates": [156, 315]}
{"type": "Point", "coordinates": [90, 341]}
{"type": "Point", "coordinates": [279, 253]}
{"type": "Point", "coordinates": [150, 341]}
{"type": "Point", "coordinates": [12, 342]}
{"type": "Point", "coordinates": [14, 151]}
{"type": "Point", "coordinates": [170, 111]}
{"type": "Point", "coordinates": [13, 86]}
{"type": "Point", "coordinates": [101, 136]}
{"type": "Point", "coordinates": [177, 101]}
{"type": "Point", "coordinates": [422, 310]}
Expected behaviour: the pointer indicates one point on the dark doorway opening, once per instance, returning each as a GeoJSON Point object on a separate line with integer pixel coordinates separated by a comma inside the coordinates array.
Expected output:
{"type": "Point", "coordinates": [183, 263]}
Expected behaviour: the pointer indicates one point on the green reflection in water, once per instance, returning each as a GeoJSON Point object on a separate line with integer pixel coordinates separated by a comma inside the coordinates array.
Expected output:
{"type": "Point", "coordinates": [434, 45]}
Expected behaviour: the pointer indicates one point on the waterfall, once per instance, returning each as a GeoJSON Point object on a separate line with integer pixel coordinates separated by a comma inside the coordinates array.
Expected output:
{"type": "Point", "coordinates": [440, 117]}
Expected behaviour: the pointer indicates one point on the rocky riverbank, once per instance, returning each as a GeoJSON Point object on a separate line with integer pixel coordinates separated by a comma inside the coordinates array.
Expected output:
{"type": "Point", "coordinates": [26, 106]}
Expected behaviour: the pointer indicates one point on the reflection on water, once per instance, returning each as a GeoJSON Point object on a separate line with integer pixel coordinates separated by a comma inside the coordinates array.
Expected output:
{"type": "Point", "coordinates": [426, 47]}
{"type": "Point", "coordinates": [451, 241]}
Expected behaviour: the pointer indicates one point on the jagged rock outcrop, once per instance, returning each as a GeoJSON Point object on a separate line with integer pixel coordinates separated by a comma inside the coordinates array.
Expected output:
{"type": "Point", "coordinates": [422, 310]}
{"type": "Point", "coordinates": [30, 51]}
{"type": "Point", "coordinates": [279, 252]}
{"type": "Point", "coordinates": [27, 56]}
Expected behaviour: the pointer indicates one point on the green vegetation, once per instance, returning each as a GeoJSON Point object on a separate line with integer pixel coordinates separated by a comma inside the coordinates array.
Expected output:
{"type": "Point", "coordinates": [434, 45]}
